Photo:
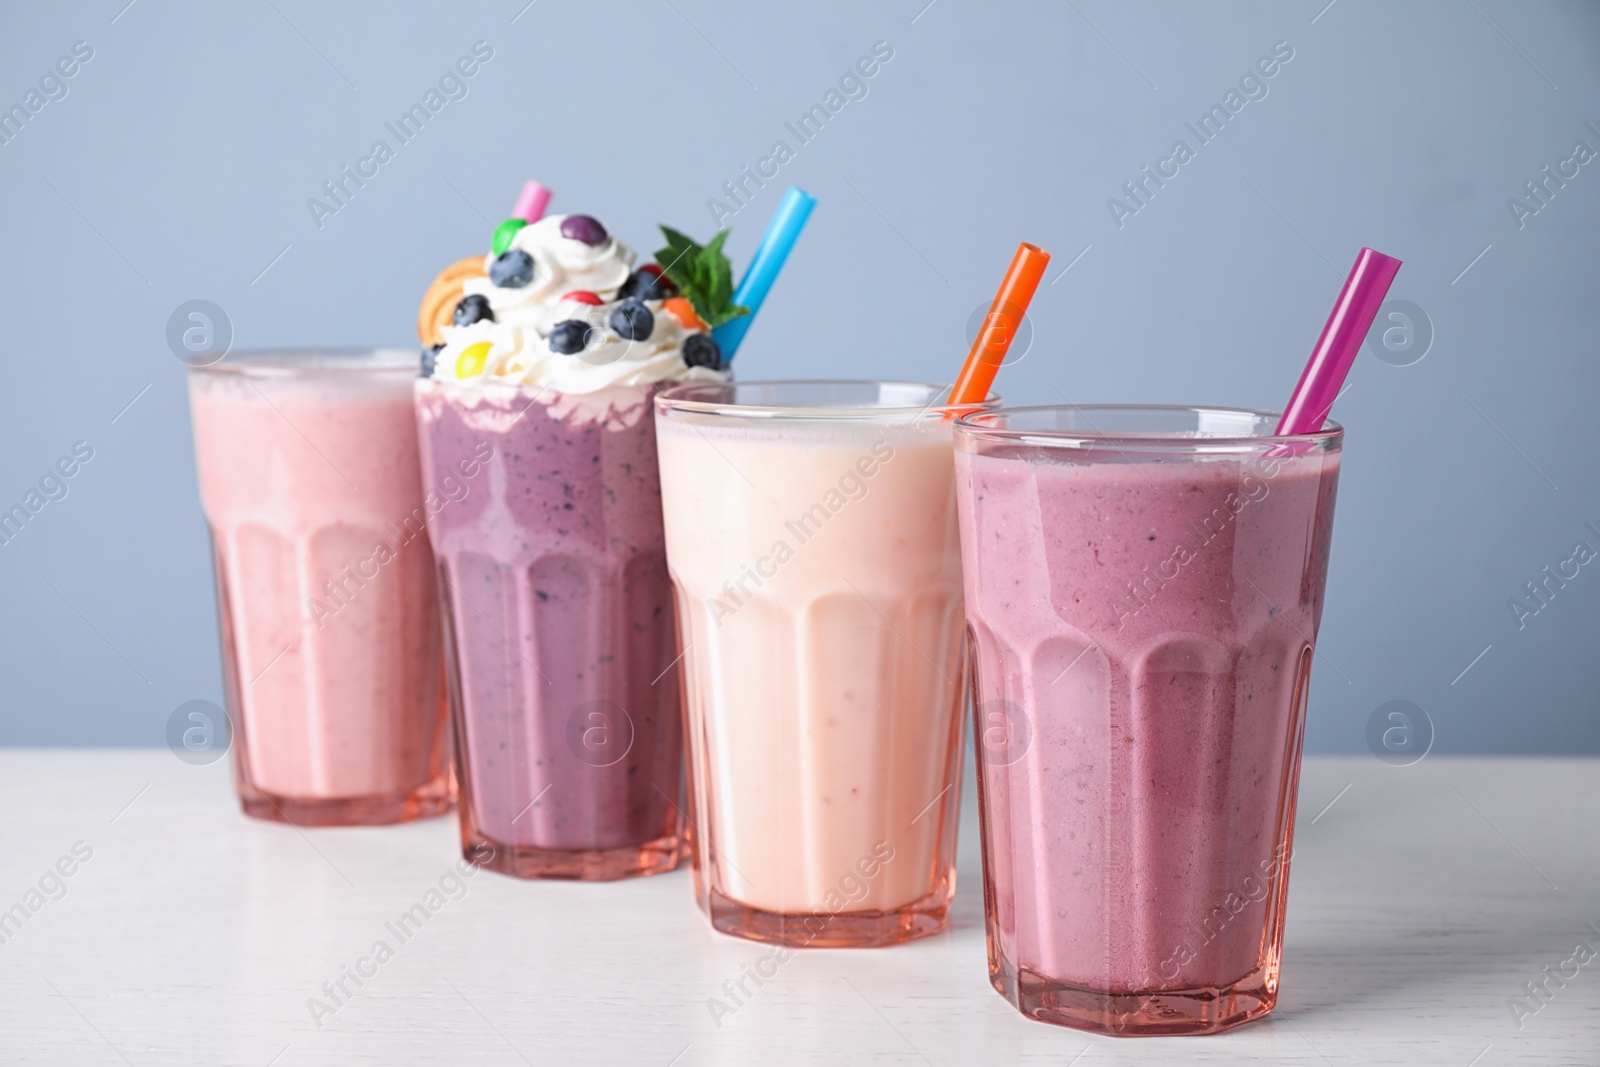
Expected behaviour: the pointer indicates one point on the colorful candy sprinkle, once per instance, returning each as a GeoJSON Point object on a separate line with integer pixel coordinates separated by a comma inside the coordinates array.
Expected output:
{"type": "Point", "coordinates": [473, 359]}
{"type": "Point", "coordinates": [503, 235]}
{"type": "Point", "coordinates": [683, 311]}
{"type": "Point", "coordinates": [584, 228]}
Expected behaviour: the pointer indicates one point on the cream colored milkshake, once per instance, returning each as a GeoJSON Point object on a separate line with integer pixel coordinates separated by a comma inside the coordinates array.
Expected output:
{"type": "Point", "coordinates": [816, 561]}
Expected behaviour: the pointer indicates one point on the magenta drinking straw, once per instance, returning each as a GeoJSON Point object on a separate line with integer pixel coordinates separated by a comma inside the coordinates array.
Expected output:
{"type": "Point", "coordinates": [1341, 339]}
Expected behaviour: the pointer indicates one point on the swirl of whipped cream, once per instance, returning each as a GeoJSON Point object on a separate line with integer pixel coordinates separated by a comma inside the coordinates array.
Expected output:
{"type": "Point", "coordinates": [600, 269]}
{"type": "Point", "coordinates": [608, 359]}
{"type": "Point", "coordinates": [470, 352]}
{"type": "Point", "coordinates": [519, 353]}
{"type": "Point", "coordinates": [560, 265]}
{"type": "Point", "coordinates": [515, 348]}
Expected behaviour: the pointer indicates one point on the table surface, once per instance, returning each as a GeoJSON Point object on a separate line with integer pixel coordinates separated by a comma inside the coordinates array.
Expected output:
{"type": "Point", "coordinates": [1422, 900]}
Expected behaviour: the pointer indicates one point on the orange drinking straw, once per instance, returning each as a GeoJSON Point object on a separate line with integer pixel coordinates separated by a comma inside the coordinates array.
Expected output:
{"type": "Point", "coordinates": [1000, 325]}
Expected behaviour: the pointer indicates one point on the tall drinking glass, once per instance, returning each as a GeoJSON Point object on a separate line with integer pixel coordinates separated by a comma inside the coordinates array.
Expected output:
{"type": "Point", "coordinates": [559, 626]}
{"type": "Point", "coordinates": [1143, 588]}
{"type": "Point", "coordinates": [811, 536]}
{"type": "Point", "coordinates": [330, 632]}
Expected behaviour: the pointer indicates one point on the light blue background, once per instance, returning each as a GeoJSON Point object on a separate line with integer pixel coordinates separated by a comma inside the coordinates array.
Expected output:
{"type": "Point", "coordinates": [180, 162]}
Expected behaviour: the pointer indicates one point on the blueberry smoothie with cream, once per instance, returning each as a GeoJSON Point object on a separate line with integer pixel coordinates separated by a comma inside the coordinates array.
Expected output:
{"type": "Point", "coordinates": [552, 571]}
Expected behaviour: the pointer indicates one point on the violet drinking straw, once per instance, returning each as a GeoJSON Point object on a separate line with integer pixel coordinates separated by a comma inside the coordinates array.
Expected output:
{"type": "Point", "coordinates": [1339, 344]}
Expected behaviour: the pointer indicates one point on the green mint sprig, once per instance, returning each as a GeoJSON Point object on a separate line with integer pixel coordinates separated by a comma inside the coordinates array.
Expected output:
{"type": "Point", "coordinates": [703, 274]}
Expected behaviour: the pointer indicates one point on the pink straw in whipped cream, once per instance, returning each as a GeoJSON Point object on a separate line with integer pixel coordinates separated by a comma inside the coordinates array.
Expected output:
{"type": "Point", "coordinates": [531, 202]}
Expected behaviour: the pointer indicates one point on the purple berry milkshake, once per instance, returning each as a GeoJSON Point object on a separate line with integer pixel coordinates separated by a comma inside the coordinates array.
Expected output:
{"type": "Point", "coordinates": [559, 613]}
{"type": "Point", "coordinates": [559, 623]}
{"type": "Point", "coordinates": [1143, 618]}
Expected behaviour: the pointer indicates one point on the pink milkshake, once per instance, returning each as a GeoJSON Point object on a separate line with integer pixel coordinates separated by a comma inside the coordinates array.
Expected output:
{"type": "Point", "coordinates": [330, 632]}
{"type": "Point", "coordinates": [1143, 590]}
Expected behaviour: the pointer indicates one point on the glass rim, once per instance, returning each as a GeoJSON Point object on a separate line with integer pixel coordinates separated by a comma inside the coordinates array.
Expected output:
{"type": "Point", "coordinates": [973, 425]}
{"type": "Point", "coordinates": [681, 398]}
{"type": "Point", "coordinates": [313, 359]}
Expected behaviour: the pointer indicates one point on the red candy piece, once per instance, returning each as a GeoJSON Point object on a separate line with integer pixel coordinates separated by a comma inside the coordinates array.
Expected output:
{"type": "Point", "coordinates": [583, 296]}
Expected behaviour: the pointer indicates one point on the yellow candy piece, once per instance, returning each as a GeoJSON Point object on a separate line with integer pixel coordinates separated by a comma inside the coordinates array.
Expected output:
{"type": "Point", "coordinates": [473, 359]}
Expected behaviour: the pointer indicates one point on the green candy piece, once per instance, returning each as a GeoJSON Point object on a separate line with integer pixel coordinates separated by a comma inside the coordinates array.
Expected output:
{"type": "Point", "coordinates": [503, 234]}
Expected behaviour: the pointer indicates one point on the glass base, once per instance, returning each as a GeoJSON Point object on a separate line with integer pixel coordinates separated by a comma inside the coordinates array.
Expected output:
{"type": "Point", "coordinates": [1156, 1013]}
{"type": "Point", "coordinates": [585, 865]}
{"type": "Point", "coordinates": [425, 802]}
{"type": "Point", "coordinates": [845, 929]}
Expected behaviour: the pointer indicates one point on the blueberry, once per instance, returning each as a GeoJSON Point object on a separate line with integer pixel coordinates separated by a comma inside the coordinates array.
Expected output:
{"type": "Point", "coordinates": [643, 285]}
{"type": "Point", "coordinates": [585, 228]}
{"type": "Point", "coordinates": [512, 269]}
{"type": "Point", "coordinates": [699, 350]}
{"type": "Point", "coordinates": [429, 355]}
{"type": "Point", "coordinates": [633, 321]}
{"type": "Point", "coordinates": [570, 337]}
{"type": "Point", "coordinates": [474, 308]}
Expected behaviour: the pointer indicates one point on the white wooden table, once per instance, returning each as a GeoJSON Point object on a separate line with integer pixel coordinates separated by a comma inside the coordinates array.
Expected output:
{"type": "Point", "coordinates": [1421, 901]}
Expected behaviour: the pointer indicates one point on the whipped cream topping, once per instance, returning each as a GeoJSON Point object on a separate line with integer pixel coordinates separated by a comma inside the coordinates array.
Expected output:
{"type": "Point", "coordinates": [515, 348]}
{"type": "Point", "coordinates": [560, 266]}
{"type": "Point", "coordinates": [600, 269]}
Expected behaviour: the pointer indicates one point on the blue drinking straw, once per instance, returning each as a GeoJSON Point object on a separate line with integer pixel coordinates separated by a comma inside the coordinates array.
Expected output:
{"type": "Point", "coordinates": [776, 243]}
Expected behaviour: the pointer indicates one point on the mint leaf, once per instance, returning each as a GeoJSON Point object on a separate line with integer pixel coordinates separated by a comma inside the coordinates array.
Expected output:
{"type": "Point", "coordinates": [702, 274]}
{"type": "Point", "coordinates": [678, 258]}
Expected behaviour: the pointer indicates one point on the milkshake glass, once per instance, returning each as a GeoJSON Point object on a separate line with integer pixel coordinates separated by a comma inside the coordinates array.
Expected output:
{"type": "Point", "coordinates": [331, 650]}
{"type": "Point", "coordinates": [1143, 590]}
{"type": "Point", "coordinates": [559, 628]}
{"type": "Point", "coordinates": [558, 611]}
{"type": "Point", "coordinates": [811, 536]}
